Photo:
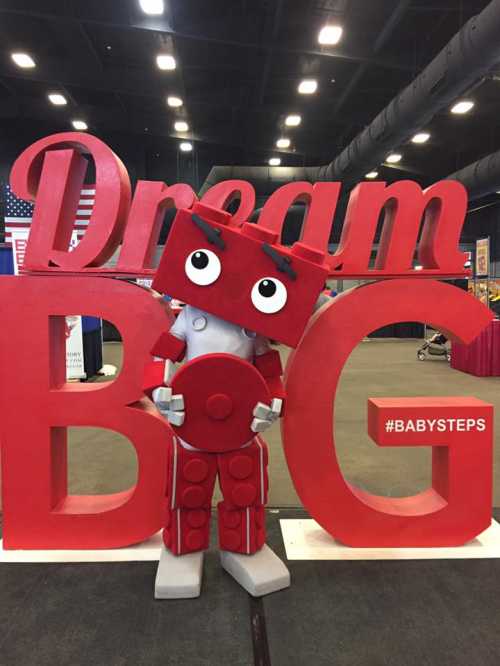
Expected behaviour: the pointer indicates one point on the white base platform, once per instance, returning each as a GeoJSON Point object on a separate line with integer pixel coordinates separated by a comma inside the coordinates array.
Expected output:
{"type": "Point", "coordinates": [147, 551]}
{"type": "Point", "coordinates": [305, 540]}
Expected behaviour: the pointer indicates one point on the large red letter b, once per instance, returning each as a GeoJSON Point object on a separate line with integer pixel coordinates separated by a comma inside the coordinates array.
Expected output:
{"type": "Point", "coordinates": [37, 406]}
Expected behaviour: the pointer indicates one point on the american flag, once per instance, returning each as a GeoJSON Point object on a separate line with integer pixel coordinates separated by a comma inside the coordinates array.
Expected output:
{"type": "Point", "coordinates": [18, 212]}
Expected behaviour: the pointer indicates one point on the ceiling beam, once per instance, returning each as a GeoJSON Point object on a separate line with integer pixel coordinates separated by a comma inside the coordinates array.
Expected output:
{"type": "Point", "coordinates": [136, 84]}
{"type": "Point", "coordinates": [163, 26]}
{"type": "Point", "coordinates": [275, 25]}
{"type": "Point", "coordinates": [114, 119]}
{"type": "Point", "coordinates": [381, 40]}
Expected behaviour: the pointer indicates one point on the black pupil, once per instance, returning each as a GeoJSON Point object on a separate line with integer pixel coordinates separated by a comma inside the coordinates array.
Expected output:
{"type": "Point", "coordinates": [199, 260]}
{"type": "Point", "coordinates": [267, 288]}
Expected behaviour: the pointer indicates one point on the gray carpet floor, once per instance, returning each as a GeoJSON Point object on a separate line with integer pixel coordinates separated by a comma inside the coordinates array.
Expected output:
{"type": "Point", "coordinates": [101, 461]}
{"type": "Point", "coordinates": [393, 613]}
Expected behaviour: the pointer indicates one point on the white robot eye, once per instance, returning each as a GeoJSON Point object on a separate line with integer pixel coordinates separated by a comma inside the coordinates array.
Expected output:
{"type": "Point", "coordinates": [269, 295]}
{"type": "Point", "coordinates": [202, 267]}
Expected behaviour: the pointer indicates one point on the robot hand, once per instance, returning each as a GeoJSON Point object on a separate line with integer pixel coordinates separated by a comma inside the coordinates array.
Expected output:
{"type": "Point", "coordinates": [265, 415]}
{"type": "Point", "coordinates": [170, 406]}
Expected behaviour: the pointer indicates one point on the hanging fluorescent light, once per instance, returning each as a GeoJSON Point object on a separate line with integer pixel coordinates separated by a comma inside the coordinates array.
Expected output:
{"type": "Point", "coordinates": [80, 125]}
{"type": "Point", "coordinates": [393, 158]}
{"type": "Point", "coordinates": [274, 161]}
{"type": "Point", "coordinates": [307, 86]}
{"type": "Point", "coordinates": [372, 174]}
{"type": "Point", "coordinates": [181, 126]}
{"type": "Point", "coordinates": [174, 101]}
{"type": "Point", "coordinates": [330, 34]}
{"type": "Point", "coordinates": [462, 107]}
{"type": "Point", "coordinates": [283, 143]}
{"type": "Point", "coordinates": [186, 147]}
{"type": "Point", "coordinates": [152, 6]}
{"type": "Point", "coordinates": [57, 99]}
{"type": "Point", "coordinates": [23, 60]}
{"type": "Point", "coordinates": [293, 120]}
{"type": "Point", "coordinates": [421, 137]}
{"type": "Point", "coordinates": [166, 62]}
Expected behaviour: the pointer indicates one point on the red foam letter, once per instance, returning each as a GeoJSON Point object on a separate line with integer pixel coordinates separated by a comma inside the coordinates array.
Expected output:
{"type": "Point", "coordinates": [54, 179]}
{"type": "Point", "coordinates": [150, 201]}
{"type": "Point", "coordinates": [404, 203]}
{"type": "Point", "coordinates": [321, 201]}
{"type": "Point", "coordinates": [458, 507]}
{"type": "Point", "coordinates": [222, 194]}
{"type": "Point", "coordinates": [37, 406]}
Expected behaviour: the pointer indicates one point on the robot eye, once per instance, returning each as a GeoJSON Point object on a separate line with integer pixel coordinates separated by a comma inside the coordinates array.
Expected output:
{"type": "Point", "coordinates": [269, 295]}
{"type": "Point", "coordinates": [202, 267]}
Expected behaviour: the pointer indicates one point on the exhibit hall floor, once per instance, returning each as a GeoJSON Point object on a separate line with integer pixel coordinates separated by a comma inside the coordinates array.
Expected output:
{"type": "Point", "coordinates": [347, 613]}
{"type": "Point", "coordinates": [101, 461]}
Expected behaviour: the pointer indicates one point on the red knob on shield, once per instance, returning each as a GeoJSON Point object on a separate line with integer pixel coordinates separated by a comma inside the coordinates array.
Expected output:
{"type": "Point", "coordinates": [220, 392]}
{"type": "Point", "coordinates": [219, 406]}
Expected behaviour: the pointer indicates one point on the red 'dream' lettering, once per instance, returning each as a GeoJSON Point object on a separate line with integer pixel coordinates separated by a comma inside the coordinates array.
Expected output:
{"type": "Point", "coordinates": [51, 172]}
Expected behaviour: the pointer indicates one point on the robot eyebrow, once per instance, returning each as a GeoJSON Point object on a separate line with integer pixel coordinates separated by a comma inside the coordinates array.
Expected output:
{"type": "Point", "coordinates": [213, 235]}
{"type": "Point", "coordinates": [282, 263]}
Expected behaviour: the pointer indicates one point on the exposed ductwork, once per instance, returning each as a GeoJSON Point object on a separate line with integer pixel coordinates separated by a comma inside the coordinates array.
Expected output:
{"type": "Point", "coordinates": [481, 177]}
{"type": "Point", "coordinates": [467, 57]}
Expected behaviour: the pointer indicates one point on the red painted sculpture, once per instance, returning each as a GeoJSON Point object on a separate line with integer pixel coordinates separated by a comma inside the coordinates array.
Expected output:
{"type": "Point", "coordinates": [243, 288]}
{"type": "Point", "coordinates": [454, 510]}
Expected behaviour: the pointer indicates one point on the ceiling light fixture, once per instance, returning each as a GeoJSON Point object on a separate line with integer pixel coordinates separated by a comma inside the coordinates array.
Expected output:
{"type": "Point", "coordinates": [274, 161]}
{"type": "Point", "coordinates": [57, 99]}
{"type": "Point", "coordinates": [421, 137]}
{"type": "Point", "coordinates": [181, 126]}
{"type": "Point", "coordinates": [393, 158]}
{"type": "Point", "coordinates": [154, 7]}
{"type": "Point", "coordinates": [174, 101]}
{"type": "Point", "coordinates": [307, 86]}
{"type": "Point", "coordinates": [186, 147]}
{"type": "Point", "coordinates": [23, 60]}
{"type": "Point", "coordinates": [80, 125]}
{"type": "Point", "coordinates": [283, 143]}
{"type": "Point", "coordinates": [330, 34]}
{"type": "Point", "coordinates": [462, 107]}
{"type": "Point", "coordinates": [293, 120]}
{"type": "Point", "coordinates": [166, 62]}
{"type": "Point", "coordinates": [372, 174]}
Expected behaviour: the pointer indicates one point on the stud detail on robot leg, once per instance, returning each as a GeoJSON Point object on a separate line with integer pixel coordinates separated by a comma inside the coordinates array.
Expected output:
{"type": "Point", "coordinates": [243, 479]}
{"type": "Point", "coordinates": [191, 483]}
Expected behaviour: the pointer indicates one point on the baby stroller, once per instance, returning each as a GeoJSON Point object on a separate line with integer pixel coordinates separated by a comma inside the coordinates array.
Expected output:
{"type": "Point", "coordinates": [435, 346]}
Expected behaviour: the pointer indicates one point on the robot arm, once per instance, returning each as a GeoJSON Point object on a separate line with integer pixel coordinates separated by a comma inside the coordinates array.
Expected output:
{"type": "Point", "coordinates": [269, 365]}
{"type": "Point", "coordinates": [169, 346]}
{"type": "Point", "coordinates": [172, 344]}
{"type": "Point", "coordinates": [159, 372]}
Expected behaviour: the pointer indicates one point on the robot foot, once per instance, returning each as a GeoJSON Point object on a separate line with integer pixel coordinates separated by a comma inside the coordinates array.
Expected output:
{"type": "Point", "coordinates": [179, 576]}
{"type": "Point", "coordinates": [260, 573]}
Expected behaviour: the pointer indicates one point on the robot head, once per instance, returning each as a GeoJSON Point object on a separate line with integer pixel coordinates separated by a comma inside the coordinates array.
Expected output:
{"type": "Point", "coordinates": [241, 274]}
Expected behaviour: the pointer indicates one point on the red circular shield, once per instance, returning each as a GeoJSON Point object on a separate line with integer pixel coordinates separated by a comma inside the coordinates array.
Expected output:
{"type": "Point", "coordinates": [220, 392]}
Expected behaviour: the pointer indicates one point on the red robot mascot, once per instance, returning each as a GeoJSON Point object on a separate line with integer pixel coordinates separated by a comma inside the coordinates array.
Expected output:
{"type": "Point", "coordinates": [242, 289]}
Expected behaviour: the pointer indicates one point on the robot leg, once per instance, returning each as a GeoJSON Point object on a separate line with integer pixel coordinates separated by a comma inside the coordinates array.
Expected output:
{"type": "Point", "coordinates": [244, 554]}
{"type": "Point", "coordinates": [190, 489]}
{"type": "Point", "coordinates": [244, 484]}
{"type": "Point", "coordinates": [191, 478]}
